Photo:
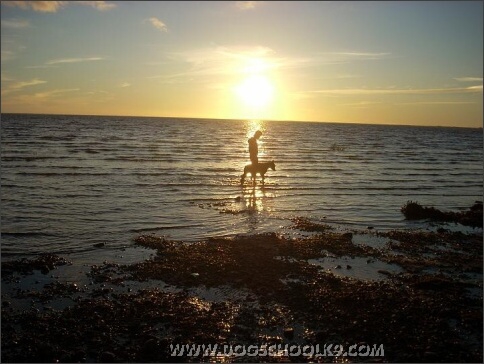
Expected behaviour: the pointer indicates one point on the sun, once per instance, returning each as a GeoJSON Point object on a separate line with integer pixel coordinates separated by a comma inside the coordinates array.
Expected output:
{"type": "Point", "coordinates": [256, 91]}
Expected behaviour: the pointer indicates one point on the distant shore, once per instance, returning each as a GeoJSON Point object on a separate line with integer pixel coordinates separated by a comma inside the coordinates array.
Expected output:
{"type": "Point", "coordinates": [417, 295]}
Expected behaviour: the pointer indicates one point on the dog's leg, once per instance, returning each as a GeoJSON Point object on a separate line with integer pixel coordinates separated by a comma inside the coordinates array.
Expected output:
{"type": "Point", "coordinates": [242, 178]}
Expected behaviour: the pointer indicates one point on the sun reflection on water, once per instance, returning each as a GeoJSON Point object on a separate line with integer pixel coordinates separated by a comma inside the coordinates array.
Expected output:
{"type": "Point", "coordinates": [254, 198]}
{"type": "Point", "coordinates": [254, 195]}
{"type": "Point", "coordinates": [252, 126]}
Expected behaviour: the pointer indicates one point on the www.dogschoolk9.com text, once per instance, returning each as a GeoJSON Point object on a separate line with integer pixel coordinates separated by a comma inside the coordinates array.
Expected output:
{"type": "Point", "coordinates": [277, 350]}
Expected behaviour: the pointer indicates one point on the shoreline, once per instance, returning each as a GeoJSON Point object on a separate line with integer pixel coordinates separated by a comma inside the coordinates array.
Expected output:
{"type": "Point", "coordinates": [418, 293]}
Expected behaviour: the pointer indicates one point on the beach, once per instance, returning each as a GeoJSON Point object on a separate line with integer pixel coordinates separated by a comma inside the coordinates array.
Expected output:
{"type": "Point", "coordinates": [125, 239]}
{"type": "Point", "coordinates": [409, 295]}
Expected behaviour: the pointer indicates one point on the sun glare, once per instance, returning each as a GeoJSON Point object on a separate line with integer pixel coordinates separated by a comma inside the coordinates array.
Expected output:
{"type": "Point", "coordinates": [255, 91]}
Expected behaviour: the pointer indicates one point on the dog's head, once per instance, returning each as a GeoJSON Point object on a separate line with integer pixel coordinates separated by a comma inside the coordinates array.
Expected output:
{"type": "Point", "coordinates": [272, 165]}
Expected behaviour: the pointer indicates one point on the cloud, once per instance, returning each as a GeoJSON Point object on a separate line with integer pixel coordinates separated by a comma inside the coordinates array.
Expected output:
{"type": "Point", "coordinates": [98, 5]}
{"type": "Point", "coordinates": [158, 24]}
{"type": "Point", "coordinates": [15, 23]}
{"type": "Point", "coordinates": [73, 60]}
{"type": "Point", "coordinates": [432, 91]}
{"type": "Point", "coordinates": [247, 5]}
{"type": "Point", "coordinates": [361, 104]}
{"type": "Point", "coordinates": [437, 103]}
{"type": "Point", "coordinates": [42, 66]}
{"type": "Point", "coordinates": [54, 6]}
{"type": "Point", "coordinates": [475, 88]}
{"type": "Point", "coordinates": [40, 6]}
{"type": "Point", "coordinates": [345, 57]}
{"type": "Point", "coordinates": [11, 48]}
{"type": "Point", "coordinates": [218, 61]}
{"type": "Point", "coordinates": [39, 98]}
{"type": "Point", "coordinates": [6, 78]}
{"type": "Point", "coordinates": [204, 65]}
{"type": "Point", "coordinates": [8, 55]}
{"type": "Point", "coordinates": [468, 79]}
{"type": "Point", "coordinates": [53, 93]}
{"type": "Point", "coordinates": [55, 62]}
{"type": "Point", "coordinates": [21, 84]}
{"type": "Point", "coordinates": [362, 54]}
{"type": "Point", "coordinates": [245, 52]}
{"type": "Point", "coordinates": [14, 86]}
{"type": "Point", "coordinates": [125, 84]}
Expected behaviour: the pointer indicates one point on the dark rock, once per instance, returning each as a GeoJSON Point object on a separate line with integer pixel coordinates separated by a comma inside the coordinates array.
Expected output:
{"type": "Point", "coordinates": [320, 337]}
{"type": "Point", "coordinates": [107, 357]}
{"type": "Point", "coordinates": [430, 356]}
{"type": "Point", "coordinates": [289, 333]}
{"type": "Point", "coordinates": [149, 350]}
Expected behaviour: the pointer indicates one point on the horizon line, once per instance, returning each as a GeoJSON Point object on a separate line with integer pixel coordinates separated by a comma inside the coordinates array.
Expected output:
{"type": "Point", "coordinates": [244, 119]}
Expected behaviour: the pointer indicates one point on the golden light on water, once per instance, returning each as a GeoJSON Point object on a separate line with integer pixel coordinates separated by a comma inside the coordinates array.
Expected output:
{"type": "Point", "coordinates": [252, 126]}
{"type": "Point", "coordinates": [254, 196]}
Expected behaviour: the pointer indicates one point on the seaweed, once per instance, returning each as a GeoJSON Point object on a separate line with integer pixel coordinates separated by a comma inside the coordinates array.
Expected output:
{"type": "Point", "coordinates": [473, 217]}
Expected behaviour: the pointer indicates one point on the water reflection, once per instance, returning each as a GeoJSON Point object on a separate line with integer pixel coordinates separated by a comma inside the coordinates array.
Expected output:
{"type": "Point", "coordinates": [252, 196]}
{"type": "Point", "coordinates": [254, 199]}
{"type": "Point", "coordinates": [251, 127]}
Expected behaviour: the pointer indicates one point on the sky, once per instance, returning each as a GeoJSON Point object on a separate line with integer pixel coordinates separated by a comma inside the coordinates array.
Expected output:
{"type": "Point", "coordinates": [395, 62]}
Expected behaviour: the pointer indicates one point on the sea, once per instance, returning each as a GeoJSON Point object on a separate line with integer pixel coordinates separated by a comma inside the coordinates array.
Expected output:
{"type": "Point", "coordinates": [70, 184]}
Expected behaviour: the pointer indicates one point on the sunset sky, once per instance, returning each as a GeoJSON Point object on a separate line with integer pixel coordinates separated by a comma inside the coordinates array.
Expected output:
{"type": "Point", "coordinates": [414, 63]}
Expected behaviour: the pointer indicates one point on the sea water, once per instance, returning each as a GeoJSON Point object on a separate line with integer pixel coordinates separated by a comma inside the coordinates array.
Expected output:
{"type": "Point", "coordinates": [71, 182]}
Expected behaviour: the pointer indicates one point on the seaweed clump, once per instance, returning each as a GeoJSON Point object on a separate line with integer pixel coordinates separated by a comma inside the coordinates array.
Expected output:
{"type": "Point", "coordinates": [304, 224]}
{"type": "Point", "coordinates": [45, 263]}
{"type": "Point", "coordinates": [472, 217]}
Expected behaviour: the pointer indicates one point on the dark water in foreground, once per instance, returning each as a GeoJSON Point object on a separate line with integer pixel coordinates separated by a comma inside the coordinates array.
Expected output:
{"type": "Point", "coordinates": [68, 182]}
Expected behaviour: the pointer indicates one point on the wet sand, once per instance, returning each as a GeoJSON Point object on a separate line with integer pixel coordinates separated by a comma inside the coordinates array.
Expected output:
{"type": "Point", "coordinates": [417, 293]}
